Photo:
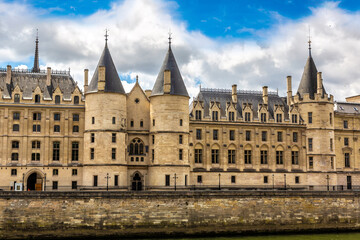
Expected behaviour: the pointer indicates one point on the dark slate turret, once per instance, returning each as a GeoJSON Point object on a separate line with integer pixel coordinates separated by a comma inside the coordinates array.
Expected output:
{"type": "Point", "coordinates": [36, 67]}
{"type": "Point", "coordinates": [177, 83]}
{"type": "Point", "coordinates": [308, 83]}
{"type": "Point", "coordinates": [112, 80]}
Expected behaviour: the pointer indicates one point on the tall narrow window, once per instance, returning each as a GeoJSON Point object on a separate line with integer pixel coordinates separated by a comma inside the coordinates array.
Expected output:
{"type": "Point", "coordinates": [92, 153]}
{"type": "Point", "coordinates": [180, 154]}
{"type": "Point", "coordinates": [330, 118]}
{"type": "Point", "coordinates": [95, 180]}
{"type": "Point", "coordinates": [16, 98]}
{"type": "Point", "coordinates": [132, 123]}
{"type": "Point", "coordinates": [198, 155]}
{"type": "Point", "coordinates": [214, 155]}
{"type": "Point", "coordinates": [295, 157]}
{"type": "Point", "coordinates": [347, 159]}
{"type": "Point", "coordinates": [295, 136]}
{"type": "Point", "coordinates": [247, 117]}
{"type": "Point", "coordinates": [181, 122]}
{"type": "Point", "coordinates": [310, 119]}
{"type": "Point", "coordinates": [92, 137]}
{"type": "Point", "coordinates": [215, 134]}
{"type": "Point", "coordinates": [37, 98]}
{"type": "Point", "coordinates": [198, 134]}
{"type": "Point", "coordinates": [93, 120]}
{"type": "Point", "coordinates": [279, 157]}
{"type": "Point", "coordinates": [116, 180]}
{"type": "Point", "coordinates": [248, 136]}
{"type": "Point", "coordinates": [294, 118]}
{"type": "Point", "coordinates": [113, 137]}
{"type": "Point", "coordinates": [167, 180]}
{"type": "Point", "coordinates": [310, 144]}
{"type": "Point", "coordinates": [57, 99]}
{"type": "Point", "coordinates": [113, 153]}
{"type": "Point", "coordinates": [180, 139]}
{"type": "Point", "coordinates": [263, 117]}
{"type": "Point", "coordinates": [231, 116]}
{"type": "Point", "coordinates": [263, 136]}
{"type": "Point", "coordinates": [76, 100]}
{"type": "Point", "coordinates": [141, 123]}
{"type": "Point", "coordinates": [331, 144]}
{"type": "Point", "coordinates": [346, 141]}
{"type": "Point", "coordinates": [231, 156]}
{"type": "Point", "coordinates": [247, 156]}
{"type": "Point", "coordinates": [75, 151]}
{"type": "Point", "coordinates": [232, 135]}
{"type": "Point", "coordinates": [311, 162]}
{"type": "Point", "coordinates": [264, 157]}
{"type": "Point", "coordinates": [279, 136]}
{"type": "Point", "coordinates": [56, 151]}
{"type": "Point", "coordinates": [215, 116]}
{"type": "Point", "coordinates": [346, 124]}
{"type": "Point", "coordinates": [279, 117]}
{"type": "Point", "coordinates": [113, 120]}
{"type": "Point", "coordinates": [198, 114]}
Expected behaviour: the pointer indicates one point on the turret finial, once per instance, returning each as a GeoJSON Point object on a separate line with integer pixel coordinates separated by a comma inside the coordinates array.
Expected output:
{"type": "Point", "coordinates": [170, 38]}
{"type": "Point", "coordinates": [106, 35]}
{"type": "Point", "coordinates": [309, 43]}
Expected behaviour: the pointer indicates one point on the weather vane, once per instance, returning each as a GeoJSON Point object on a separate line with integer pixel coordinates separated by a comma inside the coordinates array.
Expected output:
{"type": "Point", "coordinates": [106, 34]}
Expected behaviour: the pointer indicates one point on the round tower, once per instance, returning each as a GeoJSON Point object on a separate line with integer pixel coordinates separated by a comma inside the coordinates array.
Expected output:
{"type": "Point", "coordinates": [316, 109]}
{"type": "Point", "coordinates": [169, 129]}
{"type": "Point", "coordinates": [105, 127]}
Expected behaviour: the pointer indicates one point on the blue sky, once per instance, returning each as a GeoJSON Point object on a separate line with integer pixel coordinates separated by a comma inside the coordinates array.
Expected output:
{"type": "Point", "coordinates": [217, 43]}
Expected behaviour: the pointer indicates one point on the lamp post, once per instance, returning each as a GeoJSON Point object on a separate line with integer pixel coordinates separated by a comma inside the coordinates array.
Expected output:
{"type": "Point", "coordinates": [285, 180]}
{"type": "Point", "coordinates": [107, 181]}
{"type": "Point", "coordinates": [327, 180]}
{"type": "Point", "coordinates": [219, 182]}
{"type": "Point", "coordinates": [175, 177]}
{"type": "Point", "coordinates": [23, 182]}
{"type": "Point", "coordinates": [273, 183]}
{"type": "Point", "coordinates": [44, 182]}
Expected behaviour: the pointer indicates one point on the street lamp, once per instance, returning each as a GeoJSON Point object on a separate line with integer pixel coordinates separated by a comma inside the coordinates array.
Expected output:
{"type": "Point", "coordinates": [44, 182]}
{"type": "Point", "coordinates": [107, 181]}
{"type": "Point", "coordinates": [175, 177]}
{"type": "Point", "coordinates": [327, 179]}
{"type": "Point", "coordinates": [219, 182]}
{"type": "Point", "coordinates": [23, 182]}
{"type": "Point", "coordinates": [285, 180]}
{"type": "Point", "coordinates": [273, 183]}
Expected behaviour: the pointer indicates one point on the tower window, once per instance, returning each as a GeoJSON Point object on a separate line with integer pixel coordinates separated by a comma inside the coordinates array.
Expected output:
{"type": "Point", "coordinates": [113, 120]}
{"type": "Point", "coordinates": [141, 123]}
{"type": "Point", "coordinates": [347, 159]}
{"type": "Point", "coordinates": [92, 153]}
{"type": "Point", "coordinates": [113, 153]}
{"type": "Point", "coordinates": [310, 117]}
{"type": "Point", "coordinates": [153, 122]}
{"type": "Point", "coordinates": [93, 120]}
{"type": "Point", "coordinates": [167, 180]}
{"type": "Point", "coordinates": [132, 123]}
{"type": "Point", "coordinates": [92, 137]}
{"type": "Point", "coordinates": [180, 139]}
{"type": "Point", "coordinates": [113, 137]}
{"type": "Point", "coordinates": [181, 122]}
{"type": "Point", "coordinates": [310, 144]}
{"type": "Point", "coordinates": [311, 162]}
{"type": "Point", "coordinates": [180, 154]}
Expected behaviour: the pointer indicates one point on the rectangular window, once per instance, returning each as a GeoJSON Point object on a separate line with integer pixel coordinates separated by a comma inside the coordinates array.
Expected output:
{"type": "Point", "coordinates": [153, 139]}
{"type": "Point", "coordinates": [232, 135]}
{"type": "Point", "coordinates": [75, 151]}
{"type": "Point", "coordinates": [76, 117]}
{"type": "Point", "coordinates": [16, 116]}
{"type": "Point", "coordinates": [279, 157]}
{"type": "Point", "coordinates": [295, 157]}
{"type": "Point", "coordinates": [231, 156]}
{"type": "Point", "coordinates": [141, 123]}
{"type": "Point", "coordinates": [153, 122]}
{"type": "Point", "coordinates": [215, 115]}
{"type": "Point", "coordinates": [180, 139]}
{"type": "Point", "coordinates": [295, 136]}
{"type": "Point", "coordinates": [167, 180]}
{"type": "Point", "coordinates": [181, 122]}
{"type": "Point", "coordinates": [297, 179]}
{"type": "Point", "coordinates": [113, 137]}
{"type": "Point", "coordinates": [74, 172]}
{"type": "Point", "coordinates": [311, 162]}
{"type": "Point", "coordinates": [263, 117]}
{"type": "Point", "coordinates": [330, 117]}
{"type": "Point", "coordinates": [247, 117]}
{"type": "Point", "coordinates": [152, 155]}
{"type": "Point", "coordinates": [348, 182]}
{"type": "Point", "coordinates": [279, 136]}
{"type": "Point", "coordinates": [13, 172]}
{"type": "Point", "coordinates": [16, 127]}
{"type": "Point", "coordinates": [55, 172]}
{"type": "Point", "coordinates": [215, 134]}
{"type": "Point", "coordinates": [248, 136]}
{"type": "Point", "coordinates": [35, 144]}
{"type": "Point", "coordinates": [231, 116]}
{"type": "Point", "coordinates": [92, 137]}
{"type": "Point", "coordinates": [346, 141]}
{"type": "Point", "coordinates": [74, 185]}
{"type": "Point", "coordinates": [263, 136]}
{"type": "Point", "coordinates": [198, 155]}
{"type": "Point", "coordinates": [198, 114]}
{"type": "Point", "coordinates": [15, 144]}
{"type": "Point", "coordinates": [56, 151]}
{"type": "Point", "coordinates": [14, 156]}
{"type": "Point", "coordinates": [186, 180]}
{"type": "Point", "coordinates": [92, 153]}
{"type": "Point", "coordinates": [347, 159]}
{"type": "Point", "coordinates": [331, 144]}
{"type": "Point", "coordinates": [199, 179]}
{"type": "Point", "coordinates": [264, 157]}
{"type": "Point", "coordinates": [36, 116]}
{"type": "Point", "coordinates": [310, 144]}
{"type": "Point", "coordinates": [55, 185]}
{"type": "Point", "coordinates": [35, 156]}
{"type": "Point", "coordinates": [116, 180]}
{"type": "Point", "coordinates": [198, 134]}
{"type": "Point", "coordinates": [75, 129]}
{"type": "Point", "coordinates": [95, 177]}
{"type": "Point", "coordinates": [346, 125]}
{"type": "Point", "coordinates": [215, 156]}
{"type": "Point", "coordinates": [278, 117]}
{"type": "Point", "coordinates": [310, 117]}
{"type": "Point", "coordinates": [180, 154]}
{"type": "Point", "coordinates": [294, 118]}
{"type": "Point", "coordinates": [93, 120]}
{"type": "Point", "coordinates": [247, 156]}
{"type": "Point", "coordinates": [332, 162]}
{"type": "Point", "coordinates": [266, 179]}
{"type": "Point", "coordinates": [56, 128]}
{"type": "Point", "coordinates": [132, 123]}
{"type": "Point", "coordinates": [233, 179]}
{"type": "Point", "coordinates": [113, 120]}
{"type": "Point", "coordinates": [56, 116]}
{"type": "Point", "coordinates": [36, 128]}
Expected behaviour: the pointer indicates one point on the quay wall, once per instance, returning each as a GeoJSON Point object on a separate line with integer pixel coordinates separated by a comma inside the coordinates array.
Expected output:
{"type": "Point", "coordinates": [174, 214]}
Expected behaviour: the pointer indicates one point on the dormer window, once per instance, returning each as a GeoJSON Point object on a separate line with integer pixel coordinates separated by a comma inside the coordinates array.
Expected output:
{"type": "Point", "coordinates": [76, 100]}
{"type": "Point", "coordinates": [37, 98]}
{"type": "Point", "coordinates": [263, 117]}
{"type": "Point", "coordinates": [278, 117]}
{"type": "Point", "coordinates": [231, 116]}
{"type": "Point", "coordinates": [294, 118]}
{"type": "Point", "coordinates": [247, 117]}
{"type": "Point", "coordinates": [57, 99]}
{"type": "Point", "coordinates": [215, 116]}
{"type": "Point", "coordinates": [198, 114]}
{"type": "Point", "coordinates": [16, 98]}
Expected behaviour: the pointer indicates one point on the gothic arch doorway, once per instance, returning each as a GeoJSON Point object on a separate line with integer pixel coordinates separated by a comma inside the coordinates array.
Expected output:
{"type": "Point", "coordinates": [34, 182]}
{"type": "Point", "coordinates": [136, 182]}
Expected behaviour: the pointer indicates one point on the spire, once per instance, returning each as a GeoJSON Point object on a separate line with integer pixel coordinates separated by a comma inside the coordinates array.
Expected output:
{"type": "Point", "coordinates": [112, 80]}
{"type": "Point", "coordinates": [308, 83]}
{"type": "Point", "coordinates": [106, 36]}
{"type": "Point", "coordinates": [177, 86]}
{"type": "Point", "coordinates": [309, 43]}
{"type": "Point", "coordinates": [36, 59]}
{"type": "Point", "coordinates": [170, 38]}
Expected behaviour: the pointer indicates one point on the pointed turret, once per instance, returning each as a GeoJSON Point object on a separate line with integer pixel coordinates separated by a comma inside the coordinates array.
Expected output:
{"type": "Point", "coordinates": [36, 67]}
{"type": "Point", "coordinates": [177, 86]}
{"type": "Point", "coordinates": [112, 80]}
{"type": "Point", "coordinates": [308, 83]}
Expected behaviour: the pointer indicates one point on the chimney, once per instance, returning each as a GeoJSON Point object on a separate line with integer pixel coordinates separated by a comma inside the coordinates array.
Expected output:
{"type": "Point", "coordinates": [8, 74]}
{"type": "Point", "coordinates": [167, 81]}
{"type": "Point", "coordinates": [319, 83]}
{"type": "Point", "coordinates": [101, 78]}
{"type": "Point", "coordinates": [234, 93]}
{"type": "Point", "coordinates": [48, 76]}
{"type": "Point", "coordinates": [265, 95]}
{"type": "Point", "coordinates": [289, 89]}
{"type": "Point", "coordinates": [86, 79]}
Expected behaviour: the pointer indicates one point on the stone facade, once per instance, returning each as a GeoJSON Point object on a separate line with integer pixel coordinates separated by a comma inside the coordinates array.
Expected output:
{"type": "Point", "coordinates": [54, 136]}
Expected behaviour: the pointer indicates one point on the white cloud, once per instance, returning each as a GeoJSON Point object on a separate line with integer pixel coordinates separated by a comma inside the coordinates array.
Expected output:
{"type": "Point", "coordinates": [138, 43]}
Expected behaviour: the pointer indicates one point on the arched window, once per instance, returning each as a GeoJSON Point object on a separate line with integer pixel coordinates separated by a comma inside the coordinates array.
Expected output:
{"type": "Point", "coordinates": [136, 147]}
{"type": "Point", "coordinates": [76, 100]}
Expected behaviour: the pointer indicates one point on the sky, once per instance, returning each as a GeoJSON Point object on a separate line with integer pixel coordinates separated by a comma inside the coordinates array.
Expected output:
{"type": "Point", "coordinates": [251, 43]}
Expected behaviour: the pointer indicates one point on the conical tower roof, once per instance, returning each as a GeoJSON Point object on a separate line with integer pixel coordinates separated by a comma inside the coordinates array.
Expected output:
{"type": "Point", "coordinates": [308, 83]}
{"type": "Point", "coordinates": [112, 80]}
{"type": "Point", "coordinates": [177, 83]}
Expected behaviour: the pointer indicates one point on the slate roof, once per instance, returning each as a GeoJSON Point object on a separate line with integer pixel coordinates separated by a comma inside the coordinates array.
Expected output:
{"type": "Point", "coordinates": [112, 80]}
{"type": "Point", "coordinates": [253, 97]}
{"type": "Point", "coordinates": [28, 81]}
{"type": "Point", "coordinates": [308, 83]}
{"type": "Point", "coordinates": [347, 107]}
{"type": "Point", "coordinates": [177, 83]}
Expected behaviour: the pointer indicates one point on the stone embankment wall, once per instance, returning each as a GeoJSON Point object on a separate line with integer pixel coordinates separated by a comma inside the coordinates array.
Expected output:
{"type": "Point", "coordinates": [153, 214]}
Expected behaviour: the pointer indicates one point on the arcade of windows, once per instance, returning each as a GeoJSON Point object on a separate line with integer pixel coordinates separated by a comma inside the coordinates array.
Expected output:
{"type": "Point", "coordinates": [136, 147]}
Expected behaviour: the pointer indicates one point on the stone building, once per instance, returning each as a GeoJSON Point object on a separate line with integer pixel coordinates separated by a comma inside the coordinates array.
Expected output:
{"type": "Point", "coordinates": [54, 136]}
